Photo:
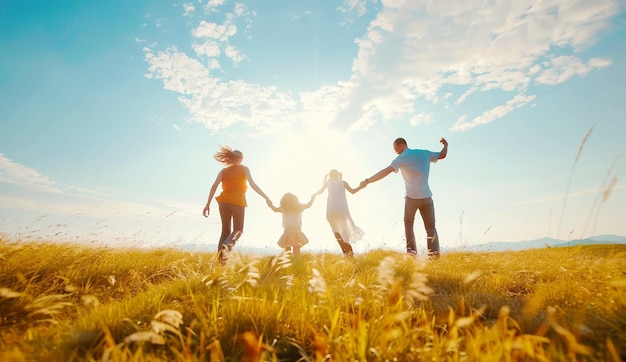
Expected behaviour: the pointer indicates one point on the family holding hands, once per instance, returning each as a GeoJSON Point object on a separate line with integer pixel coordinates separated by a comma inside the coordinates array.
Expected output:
{"type": "Point", "coordinates": [414, 164]}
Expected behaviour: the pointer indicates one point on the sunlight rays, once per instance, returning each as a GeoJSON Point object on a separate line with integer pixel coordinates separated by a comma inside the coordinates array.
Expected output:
{"type": "Point", "coordinates": [298, 163]}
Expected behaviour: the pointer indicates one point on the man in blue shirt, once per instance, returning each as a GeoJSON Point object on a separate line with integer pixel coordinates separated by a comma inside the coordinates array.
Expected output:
{"type": "Point", "coordinates": [414, 164]}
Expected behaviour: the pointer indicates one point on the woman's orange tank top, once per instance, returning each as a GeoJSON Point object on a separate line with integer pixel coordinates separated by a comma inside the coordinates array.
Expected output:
{"type": "Point", "coordinates": [233, 186]}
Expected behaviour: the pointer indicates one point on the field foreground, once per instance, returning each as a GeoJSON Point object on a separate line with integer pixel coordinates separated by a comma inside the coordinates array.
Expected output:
{"type": "Point", "coordinates": [70, 303]}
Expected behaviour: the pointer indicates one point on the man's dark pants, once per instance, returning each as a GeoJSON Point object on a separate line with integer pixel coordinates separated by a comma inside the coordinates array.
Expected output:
{"type": "Point", "coordinates": [427, 211]}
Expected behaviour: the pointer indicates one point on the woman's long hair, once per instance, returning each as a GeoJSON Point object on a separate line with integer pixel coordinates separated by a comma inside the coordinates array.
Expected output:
{"type": "Point", "coordinates": [228, 156]}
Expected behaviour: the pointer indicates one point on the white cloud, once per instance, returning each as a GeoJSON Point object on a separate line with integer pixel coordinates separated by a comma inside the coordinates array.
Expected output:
{"type": "Point", "coordinates": [599, 62]}
{"type": "Point", "coordinates": [26, 189]}
{"type": "Point", "coordinates": [34, 207]}
{"type": "Point", "coordinates": [357, 6]}
{"type": "Point", "coordinates": [215, 103]}
{"type": "Point", "coordinates": [494, 113]}
{"type": "Point", "coordinates": [18, 178]}
{"type": "Point", "coordinates": [209, 48]}
{"type": "Point", "coordinates": [189, 9]}
{"type": "Point", "coordinates": [534, 69]}
{"type": "Point", "coordinates": [216, 3]}
{"type": "Point", "coordinates": [217, 39]}
{"type": "Point", "coordinates": [232, 53]}
{"type": "Point", "coordinates": [481, 44]}
{"type": "Point", "coordinates": [559, 69]}
{"type": "Point", "coordinates": [213, 64]}
{"type": "Point", "coordinates": [421, 118]}
{"type": "Point", "coordinates": [179, 72]}
{"type": "Point", "coordinates": [440, 52]}
{"type": "Point", "coordinates": [239, 9]}
{"type": "Point", "coordinates": [77, 205]}
{"type": "Point", "coordinates": [321, 105]}
{"type": "Point", "coordinates": [15, 172]}
{"type": "Point", "coordinates": [214, 31]}
{"type": "Point", "coordinates": [464, 96]}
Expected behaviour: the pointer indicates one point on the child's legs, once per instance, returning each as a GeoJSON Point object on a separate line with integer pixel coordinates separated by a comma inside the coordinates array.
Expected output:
{"type": "Point", "coordinates": [296, 249]}
{"type": "Point", "coordinates": [345, 247]}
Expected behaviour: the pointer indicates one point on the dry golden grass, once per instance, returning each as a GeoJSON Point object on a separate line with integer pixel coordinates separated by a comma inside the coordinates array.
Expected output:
{"type": "Point", "coordinates": [70, 303]}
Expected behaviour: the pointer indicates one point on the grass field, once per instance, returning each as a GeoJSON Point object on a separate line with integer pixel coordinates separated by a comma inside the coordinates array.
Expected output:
{"type": "Point", "coordinates": [61, 302]}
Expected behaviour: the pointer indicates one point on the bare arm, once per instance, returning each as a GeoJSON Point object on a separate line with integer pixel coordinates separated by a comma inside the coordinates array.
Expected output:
{"type": "Point", "coordinates": [310, 203]}
{"type": "Point", "coordinates": [350, 189]}
{"type": "Point", "coordinates": [274, 208]}
{"type": "Point", "coordinates": [377, 176]}
{"type": "Point", "coordinates": [444, 150]}
{"type": "Point", "coordinates": [254, 185]}
{"type": "Point", "coordinates": [218, 179]}
{"type": "Point", "coordinates": [324, 186]}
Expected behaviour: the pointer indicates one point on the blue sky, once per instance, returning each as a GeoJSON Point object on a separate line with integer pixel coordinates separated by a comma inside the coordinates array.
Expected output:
{"type": "Point", "coordinates": [110, 113]}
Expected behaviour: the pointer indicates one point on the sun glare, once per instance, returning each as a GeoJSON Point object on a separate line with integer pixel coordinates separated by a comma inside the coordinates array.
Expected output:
{"type": "Point", "coordinates": [299, 163]}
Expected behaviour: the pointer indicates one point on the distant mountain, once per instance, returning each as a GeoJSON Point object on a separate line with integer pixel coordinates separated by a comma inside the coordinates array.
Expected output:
{"type": "Point", "coordinates": [544, 242]}
{"type": "Point", "coordinates": [492, 246]}
{"type": "Point", "coordinates": [613, 239]}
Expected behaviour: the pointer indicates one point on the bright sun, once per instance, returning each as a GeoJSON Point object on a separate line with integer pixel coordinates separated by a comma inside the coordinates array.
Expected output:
{"type": "Point", "coordinates": [298, 164]}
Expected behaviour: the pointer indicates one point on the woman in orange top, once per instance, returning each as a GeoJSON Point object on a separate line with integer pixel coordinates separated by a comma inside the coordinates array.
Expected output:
{"type": "Point", "coordinates": [232, 200]}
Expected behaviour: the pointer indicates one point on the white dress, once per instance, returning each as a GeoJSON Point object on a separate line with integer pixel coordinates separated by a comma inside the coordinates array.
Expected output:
{"type": "Point", "coordinates": [292, 235]}
{"type": "Point", "coordinates": [338, 214]}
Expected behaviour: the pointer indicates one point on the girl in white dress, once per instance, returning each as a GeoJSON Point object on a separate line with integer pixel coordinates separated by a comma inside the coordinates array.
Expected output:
{"type": "Point", "coordinates": [337, 212]}
{"type": "Point", "coordinates": [293, 238]}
